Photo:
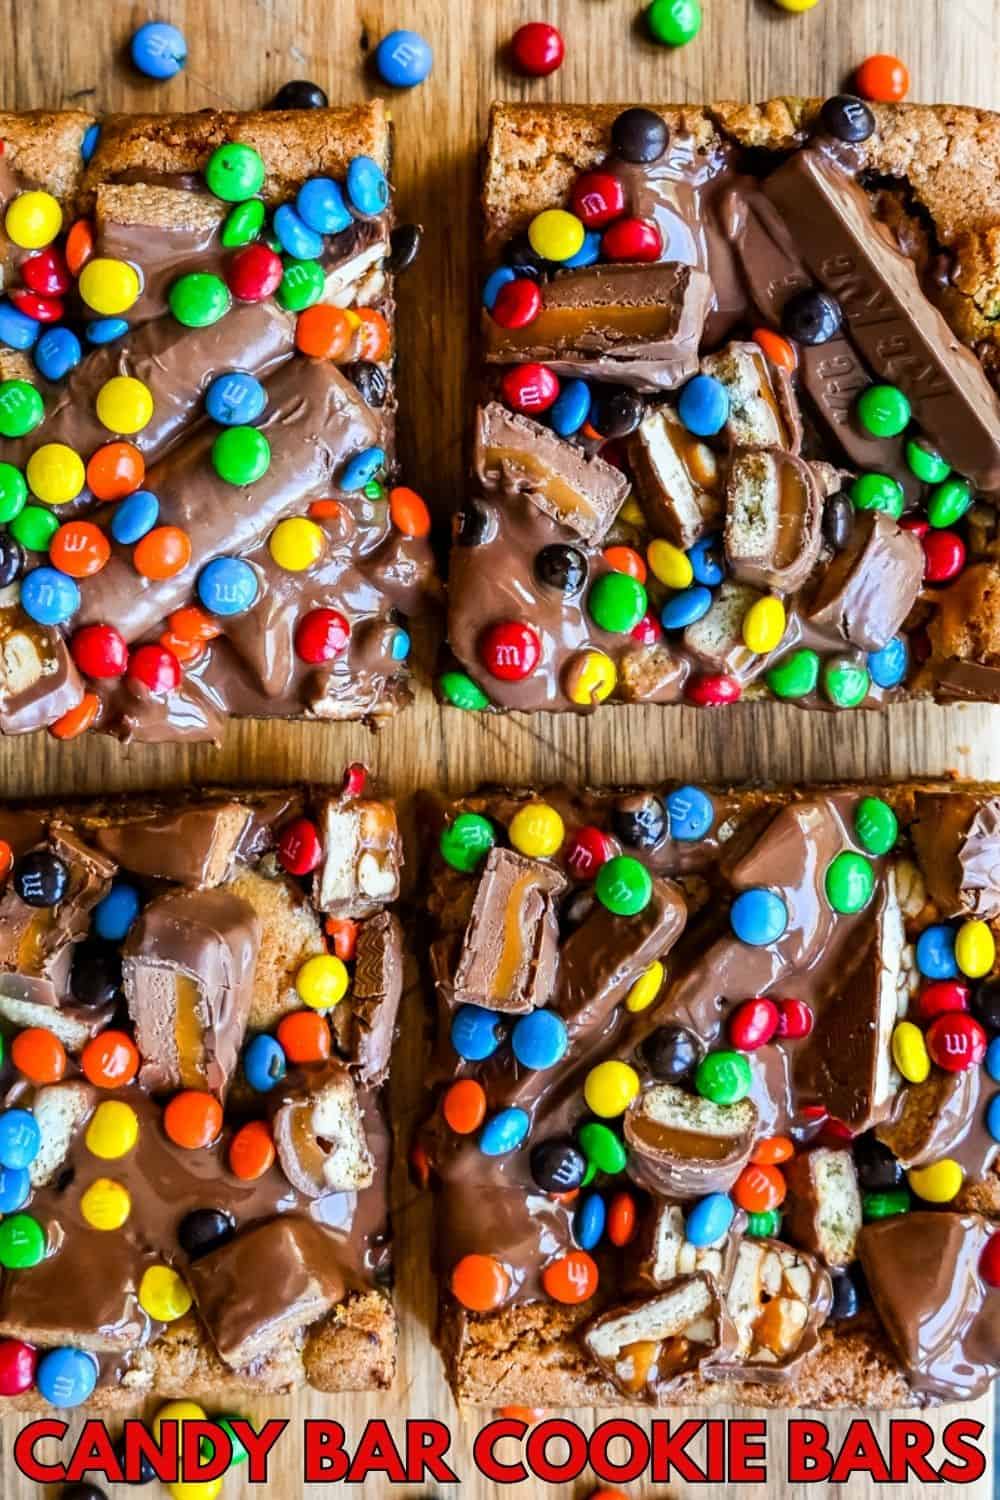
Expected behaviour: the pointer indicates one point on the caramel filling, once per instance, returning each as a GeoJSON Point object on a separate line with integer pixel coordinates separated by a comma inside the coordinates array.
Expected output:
{"type": "Point", "coordinates": [767, 395]}
{"type": "Point", "coordinates": [307, 1147]}
{"type": "Point", "coordinates": [32, 949]}
{"type": "Point", "coordinates": [793, 502]}
{"type": "Point", "coordinates": [698, 459]}
{"type": "Point", "coordinates": [656, 1360]}
{"type": "Point", "coordinates": [544, 481]}
{"type": "Point", "coordinates": [188, 1035]}
{"type": "Point", "coordinates": [512, 952]}
{"type": "Point", "coordinates": [566, 327]}
{"type": "Point", "coordinates": [689, 1145]}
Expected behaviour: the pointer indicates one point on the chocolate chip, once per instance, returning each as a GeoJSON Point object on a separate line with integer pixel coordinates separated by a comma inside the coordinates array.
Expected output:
{"type": "Point", "coordinates": [877, 1168]}
{"type": "Point", "coordinates": [370, 380]}
{"type": "Point", "coordinates": [519, 254]}
{"type": "Point", "coordinates": [849, 1292]}
{"type": "Point", "coordinates": [848, 118]}
{"type": "Point", "coordinates": [41, 878]}
{"type": "Point", "coordinates": [561, 567]}
{"type": "Point", "coordinates": [96, 977]}
{"type": "Point", "coordinates": [299, 94]}
{"type": "Point", "coordinates": [557, 1166]}
{"type": "Point", "coordinates": [640, 135]}
{"type": "Point", "coordinates": [475, 524]}
{"type": "Point", "coordinates": [640, 821]}
{"type": "Point", "coordinates": [811, 317]}
{"type": "Point", "coordinates": [205, 1229]}
{"type": "Point", "coordinates": [404, 247]}
{"type": "Point", "coordinates": [671, 1052]}
{"type": "Point", "coordinates": [838, 521]}
{"type": "Point", "coordinates": [11, 561]}
{"type": "Point", "coordinates": [616, 413]}
{"type": "Point", "coordinates": [986, 1004]}
{"type": "Point", "coordinates": [146, 1471]}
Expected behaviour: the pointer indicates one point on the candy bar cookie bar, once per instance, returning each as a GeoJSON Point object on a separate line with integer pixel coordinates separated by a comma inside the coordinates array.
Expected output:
{"type": "Point", "coordinates": [198, 491]}
{"type": "Point", "coordinates": [194, 1154]}
{"type": "Point", "coordinates": [716, 1113]}
{"type": "Point", "coordinates": [739, 432]}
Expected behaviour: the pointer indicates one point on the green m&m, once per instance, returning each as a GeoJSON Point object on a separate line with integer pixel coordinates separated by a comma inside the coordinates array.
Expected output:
{"type": "Point", "coordinates": [794, 676]}
{"type": "Point", "coordinates": [22, 1242]}
{"type": "Point", "coordinates": [241, 455]}
{"type": "Point", "coordinates": [883, 1205]}
{"type": "Point", "coordinates": [850, 881]}
{"type": "Point", "coordinates": [623, 885]}
{"type": "Point", "coordinates": [302, 285]}
{"type": "Point", "coordinates": [460, 691]}
{"type": "Point", "coordinates": [243, 224]}
{"type": "Point", "coordinates": [845, 681]}
{"type": "Point", "coordinates": [765, 1224]}
{"type": "Point", "coordinates": [34, 528]}
{"type": "Point", "coordinates": [199, 299]}
{"type": "Point", "coordinates": [603, 1149]}
{"type": "Point", "coordinates": [13, 492]}
{"type": "Point", "coordinates": [878, 492]}
{"type": "Point", "coordinates": [723, 1077]}
{"type": "Point", "coordinates": [234, 172]}
{"type": "Point", "coordinates": [876, 825]}
{"type": "Point", "coordinates": [21, 408]}
{"type": "Point", "coordinates": [617, 603]}
{"type": "Point", "coordinates": [949, 502]}
{"type": "Point", "coordinates": [926, 462]}
{"type": "Point", "coordinates": [466, 842]}
{"type": "Point", "coordinates": [674, 23]}
{"type": "Point", "coordinates": [883, 410]}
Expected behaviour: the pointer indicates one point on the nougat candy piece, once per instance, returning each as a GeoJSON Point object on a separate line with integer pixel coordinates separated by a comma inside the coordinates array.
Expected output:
{"type": "Point", "coordinates": [61, 1110]}
{"type": "Point", "coordinates": [822, 1211]}
{"type": "Point", "coordinates": [778, 1299]}
{"type": "Point", "coordinates": [869, 588]}
{"type": "Point", "coordinates": [265, 1286]}
{"type": "Point", "coordinates": [763, 412]}
{"type": "Point", "coordinates": [684, 1146]}
{"type": "Point", "coordinates": [663, 1251]}
{"type": "Point", "coordinates": [932, 1117]}
{"type": "Point", "coordinates": [188, 967]}
{"type": "Point", "coordinates": [957, 838]}
{"type": "Point", "coordinates": [716, 640]}
{"type": "Point", "coordinates": [362, 855]}
{"type": "Point", "coordinates": [774, 518]}
{"type": "Point", "coordinates": [510, 949]}
{"type": "Point", "coordinates": [39, 681]}
{"type": "Point", "coordinates": [319, 1135]}
{"type": "Point", "coordinates": [678, 478]}
{"type": "Point", "coordinates": [195, 846]}
{"type": "Point", "coordinates": [652, 674]}
{"type": "Point", "coordinates": [365, 1021]}
{"type": "Point", "coordinates": [644, 1347]}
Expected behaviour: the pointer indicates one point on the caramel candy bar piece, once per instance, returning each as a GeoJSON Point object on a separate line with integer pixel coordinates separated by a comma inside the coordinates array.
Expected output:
{"type": "Point", "coordinates": [362, 855]}
{"type": "Point", "coordinates": [36, 941]}
{"type": "Point", "coordinates": [194, 846]}
{"type": "Point", "coordinates": [944, 1323]}
{"type": "Point", "coordinates": [870, 587]}
{"type": "Point", "coordinates": [677, 478]}
{"type": "Point", "coordinates": [513, 454]}
{"type": "Point", "coordinates": [319, 1134]}
{"type": "Point", "coordinates": [778, 1299]}
{"type": "Point", "coordinates": [637, 325]}
{"type": "Point", "coordinates": [763, 412]}
{"type": "Point", "coordinates": [265, 1286]}
{"type": "Point", "coordinates": [510, 949]}
{"type": "Point", "coordinates": [365, 1021]}
{"type": "Point", "coordinates": [822, 1211]}
{"type": "Point", "coordinates": [684, 1146]}
{"type": "Point", "coordinates": [901, 334]}
{"type": "Point", "coordinates": [643, 1347]}
{"type": "Point", "coordinates": [957, 839]}
{"type": "Point", "coordinates": [774, 515]}
{"type": "Point", "coordinates": [39, 681]}
{"type": "Point", "coordinates": [188, 969]}
{"type": "Point", "coordinates": [664, 1251]}
{"type": "Point", "coordinates": [931, 1118]}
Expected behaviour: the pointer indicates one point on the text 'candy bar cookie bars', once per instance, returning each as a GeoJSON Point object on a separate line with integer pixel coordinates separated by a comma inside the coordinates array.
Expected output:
{"type": "Point", "coordinates": [739, 436]}
{"type": "Point", "coordinates": [199, 999]}
{"type": "Point", "coordinates": [717, 1105]}
{"type": "Point", "coordinates": [197, 477]}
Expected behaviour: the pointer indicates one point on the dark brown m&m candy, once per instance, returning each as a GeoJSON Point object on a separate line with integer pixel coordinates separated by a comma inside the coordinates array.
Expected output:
{"type": "Point", "coordinates": [671, 1053]}
{"type": "Point", "coordinates": [877, 1168]}
{"type": "Point", "coordinates": [811, 317]}
{"type": "Point", "coordinates": [11, 561]}
{"type": "Point", "coordinates": [205, 1229]}
{"type": "Point", "coordinates": [848, 118]}
{"type": "Point", "coordinates": [640, 821]}
{"type": "Point", "coordinates": [41, 878]}
{"type": "Point", "coordinates": [838, 521]}
{"type": "Point", "coordinates": [299, 94]}
{"type": "Point", "coordinates": [616, 413]}
{"type": "Point", "coordinates": [640, 135]}
{"type": "Point", "coordinates": [370, 380]}
{"type": "Point", "coordinates": [96, 976]}
{"type": "Point", "coordinates": [986, 1004]}
{"type": "Point", "coordinates": [404, 247]}
{"type": "Point", "coordinates": [474, 525]}
{"type": "Point", "coordinates": [561, 567]}
{"type": "Point", "coordinates": [557, 1166]}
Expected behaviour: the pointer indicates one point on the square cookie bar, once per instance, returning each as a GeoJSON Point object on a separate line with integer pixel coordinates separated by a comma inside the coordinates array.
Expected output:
{"type": "Point", "coordinates": [716, 1115]}
{"type": "Point", "coordinates": [198, 500]}
{"type": "Point", "coordinates": [199, 999]}
{"type": "Point", "coordinates": [738, 434]}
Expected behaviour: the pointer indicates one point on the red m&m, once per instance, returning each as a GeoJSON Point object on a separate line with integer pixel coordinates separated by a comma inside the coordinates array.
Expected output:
{"type": "Point", "coordinates": [712, 690]}
{"type": "Point", "coordinates": [530, 388]}
{"type": "Point", "coordinates": [537, 49]}
{"type": "Point", "coordinates": [99, 651]}
{"type": "Point", "coordinates": [46, 273]}
{"type": "Point", "coordinates": [989, 1261]}
{"type": "Point", "coordinates": [944, 556]}
{"type": "Point", "coordinates": [254, 273]}
{"type": "Point", "coordinates": [299, 847]}
{"type": "Point", "coordinates": [795, 1019]}
{"type": "Point", "coordinates": [34, 305]}
{"type": "Point", "coordinates": [753, 1024]}
{"type": "Point", "coordinates": [632, 239]}
{"type": "Point", "coordinates": [943, 997]}
{"type": "Point", "coordinates": [518, 303]}
{"type": "Point", "coordinates": [321, 635]}
{"type": "Point", "coordinates": [587, 850]}
{"type": "Point", "coordinates": [154, 668]}
{"type": "Point", "coordinates": [598, 198]}
{"type": "Point", "coordinates": [956, 1042]}
{"type": "Point", "coordinates": [510, 650]}
{"type": "Point", "coordinates": [18, 1362]}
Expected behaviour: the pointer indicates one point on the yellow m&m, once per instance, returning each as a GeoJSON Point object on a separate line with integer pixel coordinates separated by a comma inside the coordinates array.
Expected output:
{"type": "Point", "coordinates": [536, 830]}
{"type": "Point", "coordinates": [555, 234]}
{"type": "Point", "coordinates": [106, 1204]}
{"type": "Point", "coordinates": [937, 1183]}
{"type": "Point", "coordinates": [909, 1052]}
{"type": "Point", "coordinates": [124, 404]}
{"type": "Point", "coordinates": [646, 988]}
{"type": "Point", "coordinates": [33, 220]}
{"type": "Point", "coordinates": [177, 1411]}
{"type": "Point", "coordinates": [322, 981]}
{"type": "Point", "coordinates": [975, 949]}
{"type": "Point", "coordinates": [109, 287]}
{"type": "Point", "coordinates": [764, 625]}
{"type": "Point", "coordinates": [796, 6]}
{"type": "Point", "coordinates": [113, 1131]}
{"type": "Point", "coordinates": [55, 473]}
{"type": "Point", "coordinates": [163, 1294]}
{"type": "Point", "coordinates": [669, 564]}
{"type": "Point", "coordinates": [632, 513]}
{"type": "Point", "coordinates": [610, 1088]}
{"type": "Point", "coordinates": [195, 1489]}
{"type": "Point", "coordinates": [296, 544]}
{"type": "Point", "coordinates": [590, 677]}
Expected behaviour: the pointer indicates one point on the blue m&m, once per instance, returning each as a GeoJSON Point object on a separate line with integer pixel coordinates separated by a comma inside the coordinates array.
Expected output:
{"type": "Point", "coordinates": [504, 1132]}
{"type": "Point", "coordinates": [758, 916]}
{"type": "Point", "coordinates": [88, 145]}
{"type": "Point", "coordinates": [57, 353]}
{"type": "Point", "coordinates": [15, 1189]}
{"type": "Point", "coordinates": [704, 406]}
{"type": "Point", "coordinates": [227, 586]}
{"type": "Point", "coordinates": [105, 330]}
{"type": "Point", "coordinates": [494, 283]}
{"type": "Point", "coordinates": [571, 407]}
{"type": "Point", "coordinates": [936, 952]}
{"type": "Point", "coordinates": [706, 559]}
{"type": "Point", "coordinates": [321, 206]}
{"type": "Point", "coordinates": [692, 813]}
{"type": "Point", "coordinates": [17, 330]}
{"type": "Point", "coordinates": [709, 1219]}
{"type": "Point", "coordinates": [114, 913]}
{"type": "Point", "coordinates": [475, 1032]}
{"type": "Point", "coordinates": [993, 1117]}
{"type": "Point", "coordinates": [235, 399]}
{"type": "Point", "coordinates": [589, 1221]}
{"type": "Point", "coordinates": [294, 235]}
{"type": "Point", "coordinates": [588, 254]}
{"type": "Point", "coordinates": [361, 469]}
{"type": "Point", "coordinates": [264, 1063]}
{"type": "Point", "coordinates": [367, 187]}
{"type": "Point", "coordinates": [888, 666]}
{"type": "Point", "coordinates": [399, 646]}
{"type": "Point", "coordinates": [403, 59]}
{"type": "Point", "coordinates": [539, 1040]}
{"type": "Point", "coordinates": [685, 607]}
{"type": "Point", "coordinates": [992, 1060]}
{"type": "Point", "coordinates": [134, 516]}
{"type": "Point", "coordinates": [66, 1377]}
{"type": "Point", "coordinates": [20, 1138]}
{"type": "Point", "coordinates": [49, 597]}
{"type": "Point", "coordinates": [159, 50]}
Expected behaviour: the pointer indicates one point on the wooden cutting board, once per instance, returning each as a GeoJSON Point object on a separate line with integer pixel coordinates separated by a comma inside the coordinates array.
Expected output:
{"type": "Point", "coordinates": [56, 54]}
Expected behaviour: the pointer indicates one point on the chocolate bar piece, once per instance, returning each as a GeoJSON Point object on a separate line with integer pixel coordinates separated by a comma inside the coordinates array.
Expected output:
{"type": "Point", "coordinates": [774, 511]}
{"type": "Point", "coordinates": [763, 412]}
{"type": "Point", "coordinates": [645, 1347]}
{"type": "Point", "coordinates": [36, 938]}
{"type": "Point", "coordinates": [509, 951]}
{"type": "Point", "coordinates": [362, 855]}
{"type": "Point", "coordinates": [682, 1146]}
{"type": "Point", "coordinates": [195, 847]}
{"type": "Point", "coordinates": [366, 1026]}
{"type": "Point", "coordinates": [777, 1299]}
{"type": "Point", "coordinates": [677, 478]}
{"type": "Point", "coordinates": [959, 839]}
{"type": "Point", "coordinates": [871, 586]}
{"type": "Point", "coordinates": [319, 1135]}
{"type": "Point", "coordinates": [823, 1206]}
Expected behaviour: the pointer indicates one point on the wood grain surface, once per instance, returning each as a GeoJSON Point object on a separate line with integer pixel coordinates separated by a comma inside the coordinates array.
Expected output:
{"type": "Point", "coordinates": [56, 53]}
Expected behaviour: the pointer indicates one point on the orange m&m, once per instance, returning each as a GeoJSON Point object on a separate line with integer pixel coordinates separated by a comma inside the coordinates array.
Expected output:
{"type": "Point", "coordinates": [185, 651]}
{"type": "Point", "coordinates": [110, 1060]}
{"type": "Point", "coordinates": [758, 1189]}
{"type": "Point", "coordinates": [251, 1151]}
{"type": "Point", "coordinates": [371, 336]}
{"type": "Point", "coordinates": [464, 1106]}
{"type": "Point", "coordinates": [344, 932]}
{"type": "Point", "coordinates": [305, 1036]}
{"type": "Point", "coordinates": [621, 1219]}
{"type": "Point", "coordinates": [408, 512]}
{"type": "Point", "coordinates": [479, 1282]}
{"type": "Point", "coordinates": [883, 78]}
{"type": "Point", "coordinates": [626, 560]}
{"type": "Point", "coordinates": [39, 1055]}
{"type": "Point", "coordinates": [527, 1414]}
{"type": "Point", "coordinates": [778, 350]}
{"type": "Point", "coordinates": [6, 859]}
{"type": "Point", "coordinates": [193, 1119]}
{"type": "Point", "coordinates": [193, 624]}
{"type": "Point", "coordinates": [162, 552]}
{"type": "Point", "coordinates": [324, 332]}
{"type": "Point", "coordinates": [80, 549]}
{"type": "Point", "coordinates": [79, 245]}
{"type": "Point", "coordinates": [76, 721]}
{"type": "Point", "coordinates": [115, 470]}
{"type": "Point", "coordinates": [572, 1278]}
{"type": "Point", "coordinates": [771, 1150]}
